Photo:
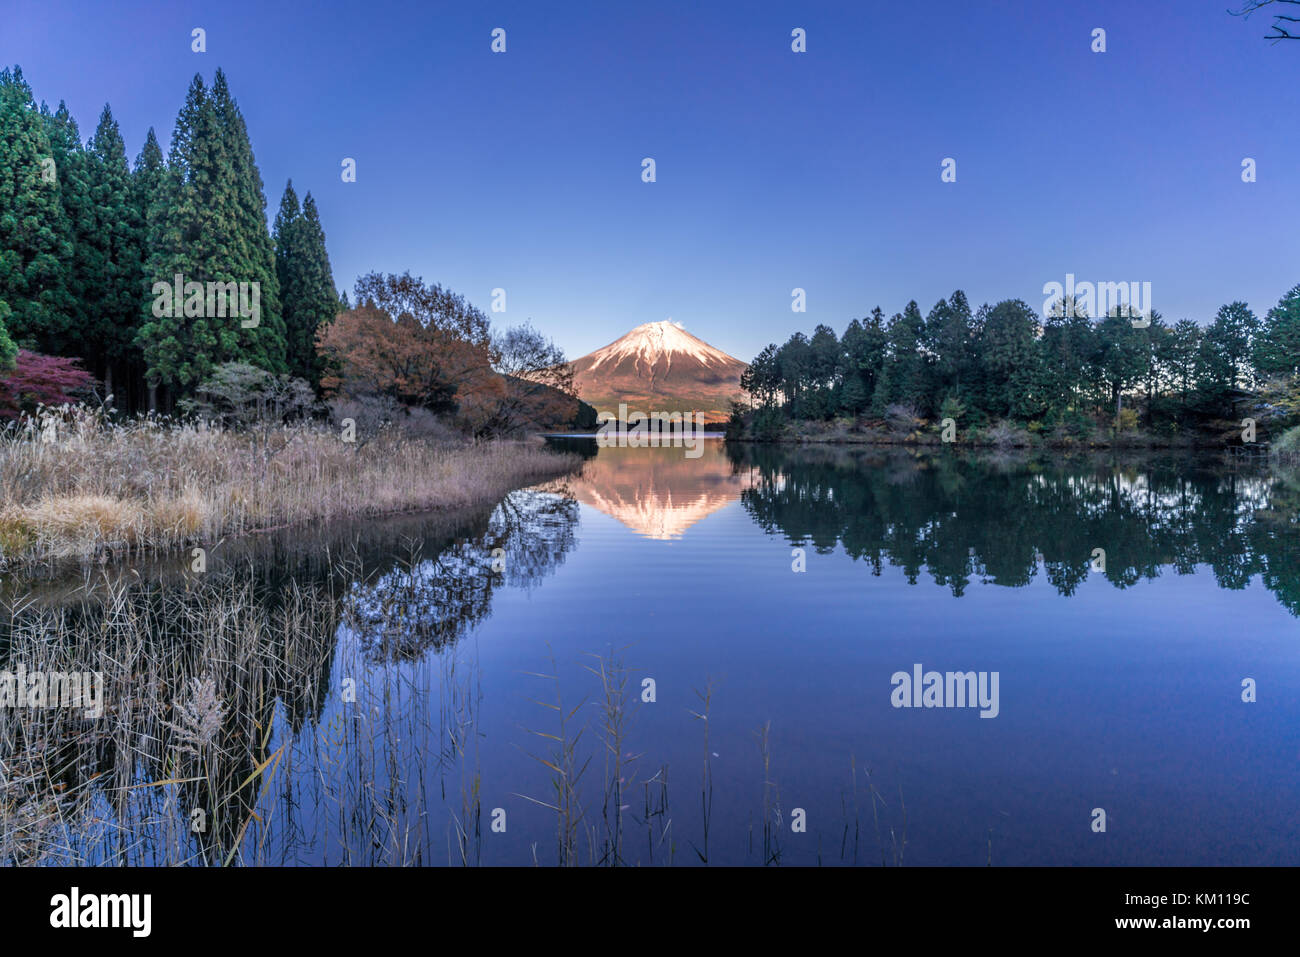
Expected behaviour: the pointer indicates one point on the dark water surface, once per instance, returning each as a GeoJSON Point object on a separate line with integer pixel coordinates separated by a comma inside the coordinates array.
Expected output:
{"type": "Point", "coordinates": [1118, 689]}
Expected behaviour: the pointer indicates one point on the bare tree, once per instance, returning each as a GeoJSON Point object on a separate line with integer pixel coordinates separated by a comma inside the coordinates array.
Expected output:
{"type": "Point", "coordinates": [539, 388]}
{"type": "Point", "coordinates": [1282, 24]}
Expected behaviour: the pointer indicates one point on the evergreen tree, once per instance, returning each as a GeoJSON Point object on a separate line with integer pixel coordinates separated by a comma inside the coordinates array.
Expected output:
{"type": "Point", "coordinates": [1277, 351]}
{"type": "Point", "coordinates": [306, 282]}
{"type": "Point", "coordinates": [254, 250]}
{"type": "Point", "coordinates": [949, 330]}
{"type": "Point", "coordinates": [794, 359]}
{"type": "Point", "coordinates": [110, 255]}
{"type": "Point", "coordinates": [35, 241]}
{"type": "Point", "coordinates": [8, 349]}
{"type": "Point", "coordinates": [824, 356]}
{"type": "Point", "coordinates": [150, 196]}
{"type": "Point", "coordinates": [1009, 370]}
{"type": "Point", "coordinates": [211, 229]}
{"type": "Point", "coordinates": [762, 377]}
{"type": "Point", "coordinates": [854, 394]}
{"type": "Point", "coordinates": [86, 266]}
{"type": "Point", "coordinates": [905, 372]}
{"type": "Point", "coordinates": [1229, 338]}
{"type": "Point", "coordinates": [1068, 348]}
{"type": "Point", "coordinates": [1122, 356]}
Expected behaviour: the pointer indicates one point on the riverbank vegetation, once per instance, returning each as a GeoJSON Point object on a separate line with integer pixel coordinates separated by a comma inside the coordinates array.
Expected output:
{"type": "Point", "coordinates": [76, 485]}
{"type": "Point", "coordinates": [1006, 375]}
{"type": "Point", "coordinates": [132, 287]}
{"type": "Point", "coordinates": [145, 406]}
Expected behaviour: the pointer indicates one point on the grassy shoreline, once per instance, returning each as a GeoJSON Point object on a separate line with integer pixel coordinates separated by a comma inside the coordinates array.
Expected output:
{"type": "Point", "coordinates": [1000, 436]}
{"type": "Point", "coordinates": [77, 487]}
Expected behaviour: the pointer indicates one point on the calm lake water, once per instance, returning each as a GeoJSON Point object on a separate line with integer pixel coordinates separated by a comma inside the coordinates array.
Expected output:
{"type": "Point", "coordinates": [788, 588]}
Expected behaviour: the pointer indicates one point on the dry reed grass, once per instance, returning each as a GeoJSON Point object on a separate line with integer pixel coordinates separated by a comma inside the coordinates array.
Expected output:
{"type": "Point", "coordinates": [73, 485]}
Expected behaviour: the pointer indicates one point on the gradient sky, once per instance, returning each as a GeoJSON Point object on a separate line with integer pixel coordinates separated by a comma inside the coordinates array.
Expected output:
{"type": "Point", "coordinates": [775, 169]}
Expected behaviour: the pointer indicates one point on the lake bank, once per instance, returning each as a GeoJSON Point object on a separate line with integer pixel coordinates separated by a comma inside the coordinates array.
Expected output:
{"type": "Point", "coordinates": [86, 489]}
{"type": "Point", "coordinates": [998, 436]}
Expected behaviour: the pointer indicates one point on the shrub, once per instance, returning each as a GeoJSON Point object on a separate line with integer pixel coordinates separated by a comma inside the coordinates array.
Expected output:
{"type": "Point", "coordinates": [37, 380]}
{"type": "Point", "coordinates": [1005, 435]}
{"type": "Point", "coordinates": [902, 419]}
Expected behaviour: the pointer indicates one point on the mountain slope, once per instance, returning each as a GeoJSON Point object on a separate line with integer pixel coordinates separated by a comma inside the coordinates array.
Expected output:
{"type": "Point", "coordinates": [659, 367]}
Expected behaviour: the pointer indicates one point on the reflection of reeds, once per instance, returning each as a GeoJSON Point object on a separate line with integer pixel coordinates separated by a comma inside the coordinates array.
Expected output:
{"type": "Point", "coordinates": [772, 818]}
{"type": "Point", "coordinates": [247, 723]}
{"type": "Point", "coordinates": [172, 770]}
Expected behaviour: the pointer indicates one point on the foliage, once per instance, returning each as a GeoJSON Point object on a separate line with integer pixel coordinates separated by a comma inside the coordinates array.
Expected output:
{"type": "Point", "coordinates": [307, 290]}
{"type": "Point", "coordinates": [420, 365]}
{"type": "Point", "coordinates": [38, 380]}
{"type": "Point", "coordinates": [1068, 372]}
{"type": "Point", "coordinates": [211, 227]}
{"type": "Point", "coordinates": [239, 395]}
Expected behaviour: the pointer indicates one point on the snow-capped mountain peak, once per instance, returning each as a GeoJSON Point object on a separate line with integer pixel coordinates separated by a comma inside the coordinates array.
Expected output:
{"type": "Point", "coordinates": [649, 342]}
{"type": "Point", "coordinates": [663, 366]}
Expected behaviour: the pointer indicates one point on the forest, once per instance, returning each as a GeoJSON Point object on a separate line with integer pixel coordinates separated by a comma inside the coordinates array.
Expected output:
{"type": "Point", "coordinates": [93, 246]}
{"type": "Point", "coordinates": [1008, 373]}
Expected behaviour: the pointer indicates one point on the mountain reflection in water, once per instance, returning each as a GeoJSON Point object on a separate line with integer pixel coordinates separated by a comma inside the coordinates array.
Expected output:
{"type": "Point", "coordinates": [382, 689]}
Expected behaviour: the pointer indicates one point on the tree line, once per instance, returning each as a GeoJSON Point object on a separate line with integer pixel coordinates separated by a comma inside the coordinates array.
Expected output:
{"type": "Point", "coordinates": [1059, 372]}
{"type": "Point", "coordinates": [137, 276]}
{"type": "Point", "coordinates": [86, 236]}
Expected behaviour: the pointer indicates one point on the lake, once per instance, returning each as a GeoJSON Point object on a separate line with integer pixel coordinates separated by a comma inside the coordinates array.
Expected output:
{"type": "Point", "coordinates": [674, 660]}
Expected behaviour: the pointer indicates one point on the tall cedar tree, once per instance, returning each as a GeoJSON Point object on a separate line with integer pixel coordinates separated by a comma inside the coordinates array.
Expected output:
{"type": "Point", "coordinates": [110, 252]}
{"type": "Point", "coordinates": [212, 228]}
{"type": "Point", "coordinates": [306, 282]}
{"type": "Point", "coordinates": [74, 166]}
{"type": "Point", "coordinates": [35, 241]}
{"type": "Point", "coordinates": [1277, 350]}
{"type": "Point", "coordinates": [149, 198]}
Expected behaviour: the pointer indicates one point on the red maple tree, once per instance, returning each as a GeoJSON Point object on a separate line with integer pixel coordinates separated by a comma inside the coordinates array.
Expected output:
{"type": "Point", "coordinates": [38, 379]}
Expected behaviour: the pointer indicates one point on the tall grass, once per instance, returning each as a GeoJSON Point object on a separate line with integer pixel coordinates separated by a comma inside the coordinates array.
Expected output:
{"type": "Point", "coordinates": [74, 485]}
{"type": "Point", "coordinates": [250, 722]}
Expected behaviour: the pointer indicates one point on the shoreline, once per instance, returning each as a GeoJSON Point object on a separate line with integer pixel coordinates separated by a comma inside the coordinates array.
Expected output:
{"type": "Point", "coordinates": [101, 494]}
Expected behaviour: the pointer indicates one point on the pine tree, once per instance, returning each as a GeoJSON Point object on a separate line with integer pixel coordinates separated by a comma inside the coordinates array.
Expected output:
{"type": "Point", "coordinates": [86, 265]}
{"type": "Point", "coordinates": [110, 251]}
{"type": "Point", "coordinates": [286, 251]}
{"type": "Point", "coordinates": [178, 352]}
{"type": "Point", "coordinates": [149, 201]}
{"type": "Point", "coordinates": [35, 241]}
{"type": "Point", "coordinates": [254, 250]}
{"type": "Point", "coordinates": [211, 229]}
{"type": "Point", "coordinates": [1009, 359]}
{"type": "Point", "coordinates": [306, 282]}
{"type": "Point", "coordinates": [904, 377]}
{"type": "Point", "coordinates": [1277, 347]}
{"type": "Point", "coordinates": [290, 269]}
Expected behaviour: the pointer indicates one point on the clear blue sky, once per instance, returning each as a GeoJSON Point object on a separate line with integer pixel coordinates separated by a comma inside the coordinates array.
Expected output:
{"type": "Point", "coordinates": [775, 169]}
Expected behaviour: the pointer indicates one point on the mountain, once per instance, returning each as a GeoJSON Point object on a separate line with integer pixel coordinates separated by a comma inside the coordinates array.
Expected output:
{"type": "Point", "coordinates": [658, 492]}
{"type": "Point", "coordinates": [659, 367]}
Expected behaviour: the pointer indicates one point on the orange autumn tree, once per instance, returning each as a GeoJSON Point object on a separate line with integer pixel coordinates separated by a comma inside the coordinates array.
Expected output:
{"type": "Point", "coordinates": [425, 346]}
{"type": "Point", "coordinates": [365, 350]}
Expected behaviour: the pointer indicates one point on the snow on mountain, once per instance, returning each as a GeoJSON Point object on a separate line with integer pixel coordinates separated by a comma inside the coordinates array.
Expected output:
{"type": "Point", "coordinates": [662, 367]}
{"type": "Point", "coordinates": [648, 342]}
